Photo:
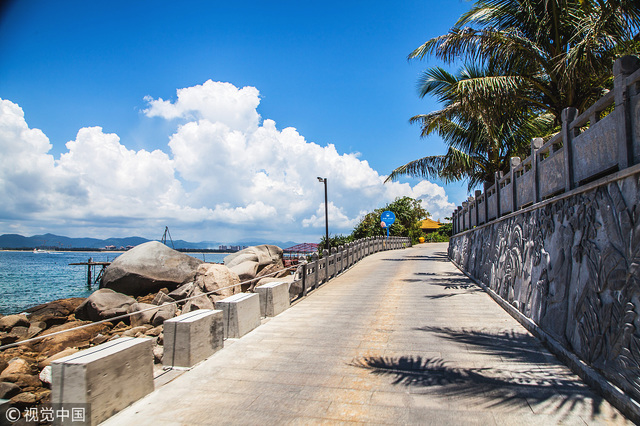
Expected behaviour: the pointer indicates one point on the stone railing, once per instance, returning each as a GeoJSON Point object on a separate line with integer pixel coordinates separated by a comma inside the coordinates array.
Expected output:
{"type": "Point", "coordinates": [310, 275]}
{"type": "Point", "coordinates": [589, 147]}
{"type": "Point", "coordinates": [556, 241]}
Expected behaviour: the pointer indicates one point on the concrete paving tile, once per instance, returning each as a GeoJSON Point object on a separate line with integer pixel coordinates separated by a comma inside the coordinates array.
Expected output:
{"type": "Point", "coordinates": [349, 396]}
{"type": "Point", "coordinates": [428, 416]}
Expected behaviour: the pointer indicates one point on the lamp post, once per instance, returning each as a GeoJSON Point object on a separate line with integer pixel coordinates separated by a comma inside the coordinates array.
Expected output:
{"type": "Point", "coordinates": [326, 212]}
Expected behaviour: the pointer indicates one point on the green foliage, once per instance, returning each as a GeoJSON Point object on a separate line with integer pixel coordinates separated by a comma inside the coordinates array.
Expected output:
{"type": "Point", "coordinates": [524, 62]}
{"type": "Point", "coordinates": [409, 213]}
{"type": "Point", "coordinates": [442, 235]}
{"type": "Point", "coordinates": [334, 241]}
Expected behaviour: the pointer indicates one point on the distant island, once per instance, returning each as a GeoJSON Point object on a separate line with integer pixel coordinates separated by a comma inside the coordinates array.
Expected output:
{"type": "Point", "coordinates": [62, 243]}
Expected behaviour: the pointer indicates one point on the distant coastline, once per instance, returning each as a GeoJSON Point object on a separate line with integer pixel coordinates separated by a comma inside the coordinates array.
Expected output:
{"type": "Point", "coordinates": [103, 250]}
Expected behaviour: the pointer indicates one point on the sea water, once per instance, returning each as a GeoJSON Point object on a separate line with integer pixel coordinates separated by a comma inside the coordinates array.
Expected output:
{"type": "Point", "coordinates": [28, 279]}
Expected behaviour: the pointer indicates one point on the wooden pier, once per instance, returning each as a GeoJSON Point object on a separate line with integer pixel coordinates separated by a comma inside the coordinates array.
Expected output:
{"type": "Point", "coordinates": [91, 267]}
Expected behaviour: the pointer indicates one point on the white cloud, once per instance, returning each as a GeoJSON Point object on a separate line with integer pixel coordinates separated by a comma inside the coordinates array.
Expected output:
{"type": "Point", "coordinates": [223, 173]}
{"type": "Point", "coordinates": [213, 101]}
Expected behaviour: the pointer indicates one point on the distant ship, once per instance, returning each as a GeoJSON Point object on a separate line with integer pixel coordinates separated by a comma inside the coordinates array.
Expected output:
{"type": "Point", "coordinates": [40, 251]}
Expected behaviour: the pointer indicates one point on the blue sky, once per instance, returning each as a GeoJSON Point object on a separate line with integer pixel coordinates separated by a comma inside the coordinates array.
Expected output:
{"type": "Point", "coordinates": [98, 142]}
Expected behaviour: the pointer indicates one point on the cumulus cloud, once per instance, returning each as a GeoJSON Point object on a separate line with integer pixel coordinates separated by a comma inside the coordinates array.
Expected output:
{"type": "Point", "coordinates": [224, 174]}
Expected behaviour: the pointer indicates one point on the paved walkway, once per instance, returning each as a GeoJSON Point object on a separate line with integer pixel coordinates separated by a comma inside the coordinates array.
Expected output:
{"type": "Point", "coordinates": [401, 338]}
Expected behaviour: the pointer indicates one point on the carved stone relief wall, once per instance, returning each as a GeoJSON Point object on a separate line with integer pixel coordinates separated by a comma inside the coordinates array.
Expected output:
{"type": "Point", "coordinates": [573, 267]}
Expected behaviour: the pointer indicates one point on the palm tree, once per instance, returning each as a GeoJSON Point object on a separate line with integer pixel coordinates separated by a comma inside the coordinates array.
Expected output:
{"type": "Point", "coordinates": [527, 61]}
{"type": "Point", "coordinates": [560, 52]}
{"type": "Point", "coordinates": [482, 132]}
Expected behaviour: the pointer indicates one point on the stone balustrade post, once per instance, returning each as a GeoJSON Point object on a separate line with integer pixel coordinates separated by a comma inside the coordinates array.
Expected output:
{"type": "Point", "coordinates": [315, 259]}
{"type": "Point", "coordinates": [568, 134]}
{"type": "Point", "coordinates": [623, 68]}
{"type": "Point", "coordinates": [497, 177]}
{"type": "Point", "coordinates": [465, 206]}
{"type": "Point", "coordinates": [536, 144]}
{"type": "Point", "coordinates": [478, 194]}
{"type": "Point", "coordinates": [513, 163]}
{"type": "Point", "coordinates": [325, 257]}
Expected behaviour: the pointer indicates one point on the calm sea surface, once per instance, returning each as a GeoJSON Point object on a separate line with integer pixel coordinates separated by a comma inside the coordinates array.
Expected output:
{"type": "Point", "coordinates": [28, 279]}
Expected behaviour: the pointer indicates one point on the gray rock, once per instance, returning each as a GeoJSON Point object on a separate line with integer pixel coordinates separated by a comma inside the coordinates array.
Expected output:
{"type": "Point", "coordinates": [45, 375]}
{"type": "Point", "coordinates": [8, 390]}
{"type": "Point", "coordinates": [166, 311]}
{"type": "Point", "coordinates": [248, 263]}
{"type": "Point", "coordinates": [104, 304]}
{"type": "Point", "coordinates": [162, 298]}
{"type": "Point", "coordinates": [263, 254]}
{"type": "Point", "coordinates": [182, 292]}
{"type": "Point", "coordinates": [200, 301]}
{"type": "Point", "coordinates": [158, 352]}
{"type": "Point", "coordinates": [10, 321]}
{"type": "Point", "coordinates": [144, 317]}
{"type": "Point", "coordinates": [217, 280]}
{"type": "Point", "coordinates": [132, 332]}
{"type": "Point", "coordinates": [149, 267]}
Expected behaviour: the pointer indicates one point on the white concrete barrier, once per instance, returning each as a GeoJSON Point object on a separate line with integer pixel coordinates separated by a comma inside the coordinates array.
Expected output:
{"type": "Point", "coordinates": [192, 337]}
{"type": "Point", "coordinates": [109, 376]}
{"type": "Point", "coordinates": [241, 313]}
{"type": "Point", "coordinates": [274, 298]}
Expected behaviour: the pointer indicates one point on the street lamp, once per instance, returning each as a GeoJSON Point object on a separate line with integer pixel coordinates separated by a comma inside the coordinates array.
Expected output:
{"type": "Point", "coordinates": [326, 212]}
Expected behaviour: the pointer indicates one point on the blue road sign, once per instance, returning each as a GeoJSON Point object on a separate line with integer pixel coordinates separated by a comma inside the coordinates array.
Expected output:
{"type": "Point", "coordinates": [388, 218]}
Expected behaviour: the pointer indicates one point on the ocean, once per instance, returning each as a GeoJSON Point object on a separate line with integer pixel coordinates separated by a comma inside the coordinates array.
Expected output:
{"type": "Point", "coordinates": [28, 279]}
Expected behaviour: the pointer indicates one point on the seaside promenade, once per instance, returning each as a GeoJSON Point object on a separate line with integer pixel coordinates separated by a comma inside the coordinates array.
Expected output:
{"type": "Point", "coordinates": [401, 338]}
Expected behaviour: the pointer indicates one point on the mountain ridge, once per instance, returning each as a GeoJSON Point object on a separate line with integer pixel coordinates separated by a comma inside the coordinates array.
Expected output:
{"type": "Point", "coordinates": [59, 242]}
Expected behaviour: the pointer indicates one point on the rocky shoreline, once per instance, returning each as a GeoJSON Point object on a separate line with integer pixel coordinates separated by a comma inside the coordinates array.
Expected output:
{"type": "Point", "coordinates": [152, 278]}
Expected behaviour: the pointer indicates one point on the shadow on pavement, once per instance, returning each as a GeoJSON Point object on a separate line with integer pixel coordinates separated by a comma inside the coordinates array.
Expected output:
{"type": "Point", "coordinates": [509, 345]}
{"type": "Point", "coordinates": [438, 257]}
{"type": "Point", "coordinates": [485, 386]}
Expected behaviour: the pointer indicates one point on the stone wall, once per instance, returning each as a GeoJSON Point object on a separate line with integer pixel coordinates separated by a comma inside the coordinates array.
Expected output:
{"type": "Point", "coordinates": [572, 266]}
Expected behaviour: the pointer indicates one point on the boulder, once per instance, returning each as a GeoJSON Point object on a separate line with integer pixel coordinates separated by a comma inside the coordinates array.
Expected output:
{"type": "Point", "coordinates": [246, 271]}
{"type": "Point", "coordinates": [54, 313]}
{"type": "Point", "coordinates": [166, 311]}
{"type": "Point", "coordinates": [19, 332]}
{"type": "Point", "coordinates": [23, 380]}
{"type": "Point", "coordinates": [158, 352]}
{"type": "Point", "coordinates": [133, 332]}
{"type": "Point", "coordinates": [263, 254]}
{"type": "Point", "coordinates": [23, 399]}
{"type": "Point", "coordinates": [36, 328]}
{"type": "Point", "coordinates": [217, 279]}
{"type": "Point", "coordinates": [182, 292]}
{"type": "Point", "coordinates": [10, 321]}
{"type": "Point", "coordinates": [149, 267]}
{"type": "Point", "coordinates": [154, 332]}
{"type": "Point", "coordinates": [161, 298]}
{"type": "Point", "coordinates": [72, 339]}
{"type": "Point", "coordinates": [8, 390]}
{"type": "Point", "coordinates": [250, 262]}
{"type": "Point", "coordinates": [103, 304]}
{"type": "Point", "coordinates": [144, 317]}
{"type": "Point", "coordinates": [45, 375]}
{"type": "Point", "coordinates": [240, 257]}
{"type": "Point", "coordinates": [200, 301]}
{"type": "Point", "coordinates": [17, 366]}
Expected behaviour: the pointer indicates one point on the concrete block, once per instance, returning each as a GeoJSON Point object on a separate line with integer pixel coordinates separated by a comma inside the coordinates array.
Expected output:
{"type": "Point", "coordinates": [109, 376]}
{"type": "Point", "coordinates": [274, 298]}
{"type": "Point", "coordinates": [192, 337]}
{"type": "Point", "coordinates": [241, 313]}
